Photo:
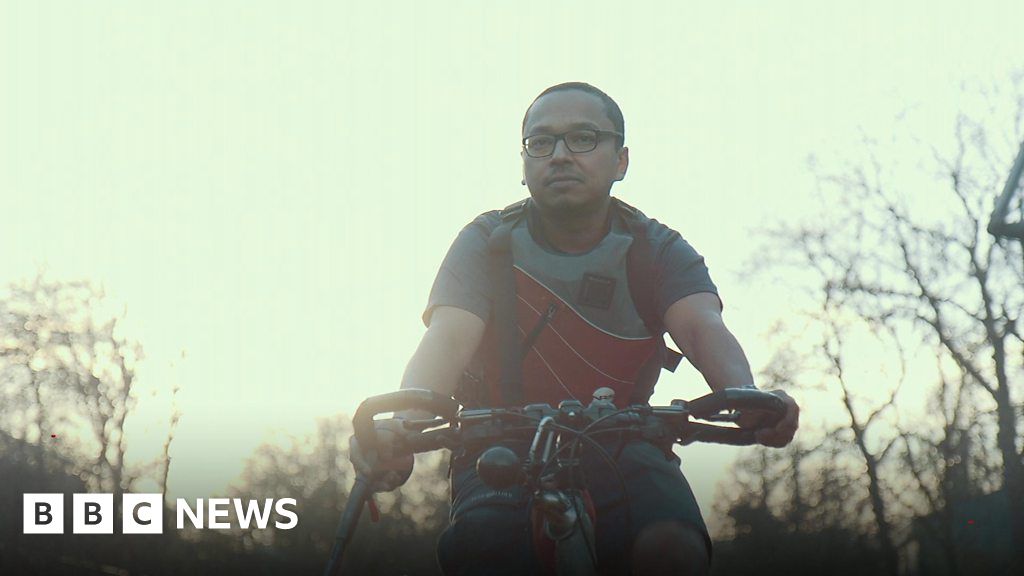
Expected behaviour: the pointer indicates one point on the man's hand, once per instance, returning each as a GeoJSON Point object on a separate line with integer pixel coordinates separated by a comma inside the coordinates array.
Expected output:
{"type": "Point", "coordinates": [385, 469]}
{"type": "Point", "coordinates": [782, 433]}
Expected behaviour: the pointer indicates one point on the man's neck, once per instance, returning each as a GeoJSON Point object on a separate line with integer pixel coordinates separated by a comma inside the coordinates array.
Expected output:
{"type": "Point", "coordinates": [576, 233]}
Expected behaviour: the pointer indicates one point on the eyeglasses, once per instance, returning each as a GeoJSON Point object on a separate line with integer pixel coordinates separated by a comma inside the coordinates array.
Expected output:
{"type": "Point", "coordinates": [577, 141]}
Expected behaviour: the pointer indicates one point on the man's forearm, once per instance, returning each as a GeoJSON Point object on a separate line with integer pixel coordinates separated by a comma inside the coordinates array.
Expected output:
{"type": "Point", "coordinates": [431, 367]}
{"type": "Point", "coordinates": [435, 366]}
{"type": "Point", "coordinates": [718, 356]}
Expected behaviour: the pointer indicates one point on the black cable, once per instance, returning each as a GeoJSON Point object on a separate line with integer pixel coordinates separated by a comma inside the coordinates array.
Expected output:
{"type": "Point", "coordinates": [580, 437]}
{"type": "Point", "coordinates": [591, 546]}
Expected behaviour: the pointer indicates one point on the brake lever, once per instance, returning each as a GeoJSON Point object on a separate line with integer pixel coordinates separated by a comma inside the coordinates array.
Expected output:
{"type": "Point", "coordinates": [731, 417]}
{"type": "Point", "coordinates": [425, 424]}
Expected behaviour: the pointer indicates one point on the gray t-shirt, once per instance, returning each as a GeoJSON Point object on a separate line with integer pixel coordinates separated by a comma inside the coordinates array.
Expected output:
{"type": "Point", "coordinates": [464, 279]}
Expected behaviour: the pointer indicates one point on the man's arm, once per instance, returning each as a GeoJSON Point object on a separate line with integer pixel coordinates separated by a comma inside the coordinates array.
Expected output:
{"type": "Point", "coordinates": [695, 324]}
{"type": "Point", "coordinates": [447, 347]}
{"type": "Point", "coordinates": [442, 355]}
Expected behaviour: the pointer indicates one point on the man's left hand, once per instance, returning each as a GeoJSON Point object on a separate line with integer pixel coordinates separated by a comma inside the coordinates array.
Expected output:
{"type": "Point", "coordinates": [782, 433]}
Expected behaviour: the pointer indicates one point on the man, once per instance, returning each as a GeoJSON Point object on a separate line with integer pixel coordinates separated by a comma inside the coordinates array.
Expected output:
{"type": "Point", "coordinates": [587, 315]}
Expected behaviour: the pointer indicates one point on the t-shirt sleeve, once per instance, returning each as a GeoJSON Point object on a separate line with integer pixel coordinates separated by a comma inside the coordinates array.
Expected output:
{"type": "Point", "coordinates": [463, 280]}
{"type": "Point", "coordinates": [681, 270]}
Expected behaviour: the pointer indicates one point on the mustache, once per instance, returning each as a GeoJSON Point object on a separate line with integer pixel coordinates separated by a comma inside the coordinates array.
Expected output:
{"type": "Point", "coordinates": [562, 175]}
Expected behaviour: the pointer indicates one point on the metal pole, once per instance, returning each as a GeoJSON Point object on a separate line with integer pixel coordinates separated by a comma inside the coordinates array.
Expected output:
{"type": "Point", "coordinates": [997, 225]}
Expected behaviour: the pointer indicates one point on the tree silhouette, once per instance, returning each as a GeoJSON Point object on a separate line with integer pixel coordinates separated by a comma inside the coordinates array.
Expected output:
{"type": "Point", "coordinates": [67, 382]}
{"type": "Point", "coordinates": [887, 271]}
{"type": "Point", "coordinates": [316, 472]}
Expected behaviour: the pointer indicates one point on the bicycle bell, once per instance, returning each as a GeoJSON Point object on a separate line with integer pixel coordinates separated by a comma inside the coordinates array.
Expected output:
{"type": "Point", "coordinates": [499, 467]}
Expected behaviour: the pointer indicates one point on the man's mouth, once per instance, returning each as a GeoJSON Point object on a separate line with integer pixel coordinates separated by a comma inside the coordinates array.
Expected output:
{"type": "Point", "coordinates": [562, 178]}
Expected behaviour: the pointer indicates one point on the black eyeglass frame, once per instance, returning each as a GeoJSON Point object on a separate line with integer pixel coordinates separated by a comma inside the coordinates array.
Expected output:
{"type": "Point", "coordinates": [562, 136]}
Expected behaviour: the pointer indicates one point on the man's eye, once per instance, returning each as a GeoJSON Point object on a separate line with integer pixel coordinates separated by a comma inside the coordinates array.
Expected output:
{"type": "Point", "coordinates": [539, 142]}
{"type": "Point", "coordinates": [581, 139]}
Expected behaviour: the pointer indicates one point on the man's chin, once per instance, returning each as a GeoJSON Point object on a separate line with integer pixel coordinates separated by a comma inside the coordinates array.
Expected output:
{"type": "Point", "coordinates": [562, 201]}
{"type": "Point", "coordinates": [554, 200]}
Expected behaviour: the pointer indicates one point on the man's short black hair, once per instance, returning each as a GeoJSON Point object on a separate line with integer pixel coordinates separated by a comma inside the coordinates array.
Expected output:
{"type": "Point", "coordinates": [611, 108]}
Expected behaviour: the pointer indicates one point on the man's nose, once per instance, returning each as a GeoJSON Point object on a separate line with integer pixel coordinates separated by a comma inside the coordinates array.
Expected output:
{"type": "Point", "coordinates": [561, 150]}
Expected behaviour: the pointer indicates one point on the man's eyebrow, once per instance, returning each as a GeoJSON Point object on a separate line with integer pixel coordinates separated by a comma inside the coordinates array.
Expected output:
{"type": "Point", "coordinates": [545, 129]}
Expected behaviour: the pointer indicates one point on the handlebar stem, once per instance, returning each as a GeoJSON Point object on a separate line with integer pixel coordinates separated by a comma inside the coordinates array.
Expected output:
{"type": "Point", "coordinates": [545, 434]}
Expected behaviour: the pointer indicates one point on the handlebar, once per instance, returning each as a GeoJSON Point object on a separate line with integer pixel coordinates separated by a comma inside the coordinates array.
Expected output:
{"type": "Point", "coordinates": [738, 399]}
{"type": "Point", "coordinates": [679, 416]}
{"type": "Point", "coordinates": [366, 435]}
{"type": "Point", "coordinates": [673, 423]}
{"type": "Point", "coordinates": [408, 399]}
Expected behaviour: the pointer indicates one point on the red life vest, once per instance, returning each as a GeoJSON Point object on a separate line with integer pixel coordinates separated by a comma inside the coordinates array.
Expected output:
{"type": "Point", "coordinates": [578, 324]}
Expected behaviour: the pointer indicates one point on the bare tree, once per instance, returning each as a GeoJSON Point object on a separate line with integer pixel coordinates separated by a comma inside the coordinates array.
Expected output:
{"type": "Point", "coordinates": [873, 458]}
{"type": "Point", "coordinates": [316, 472]}
{"type": "Point", "coordinates": [931, 278]}
{"type": "Point", "coordinates": [940, 465]}
{"type": "Point", "coordinates": [801, 510]}
{"type": "Point", "coordinates": [67, 390]}
{"type": "Point", "coordinates": [67, 378]}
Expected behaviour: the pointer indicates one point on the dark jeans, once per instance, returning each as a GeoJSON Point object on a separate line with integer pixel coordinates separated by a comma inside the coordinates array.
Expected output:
{"type": "Point", "coordinates": [490, 530]}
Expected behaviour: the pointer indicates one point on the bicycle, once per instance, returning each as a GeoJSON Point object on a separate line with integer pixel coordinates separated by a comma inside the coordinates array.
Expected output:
{"type": "Point", "coordinates": [550, 469]}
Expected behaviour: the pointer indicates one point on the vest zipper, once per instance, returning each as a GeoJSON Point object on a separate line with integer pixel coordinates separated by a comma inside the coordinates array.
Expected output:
{"type": "Point", "coordinates": [532, 336]}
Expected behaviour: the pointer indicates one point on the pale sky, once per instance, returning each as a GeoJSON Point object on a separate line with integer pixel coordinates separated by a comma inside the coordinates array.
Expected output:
{"type": "Point", "coordinates": [270, 187]}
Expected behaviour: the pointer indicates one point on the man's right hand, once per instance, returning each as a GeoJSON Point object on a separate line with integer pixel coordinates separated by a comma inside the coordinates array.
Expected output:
{"type": "Point", "coordinates": [385, 469]}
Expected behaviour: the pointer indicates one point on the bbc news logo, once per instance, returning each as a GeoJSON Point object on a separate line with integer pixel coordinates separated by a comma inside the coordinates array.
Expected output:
{"type": "Point", "coordinates": [144, 513]}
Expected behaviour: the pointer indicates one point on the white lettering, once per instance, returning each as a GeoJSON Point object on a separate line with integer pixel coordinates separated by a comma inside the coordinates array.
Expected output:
{"type": "Point", "coordinates": [144, 513]}
{"type": "Point", "coordinates": [251, 510]}
{"type": "Point", "coordinates": [196, 517]}
{"type": "Point", "coordinates": [218, 509]}
{"type": "Point", "coordinates": [279, 507]}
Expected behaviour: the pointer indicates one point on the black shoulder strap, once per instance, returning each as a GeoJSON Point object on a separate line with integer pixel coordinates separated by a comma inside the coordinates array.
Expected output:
{"type": "Point", "coordinates": [640, 272]}
{"type": "Point", "coordinates": [504, 283]}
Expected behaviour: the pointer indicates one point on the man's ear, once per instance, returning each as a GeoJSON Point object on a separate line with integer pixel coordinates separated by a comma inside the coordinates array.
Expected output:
{"type": "Point", "coordinates": [623, 165]}
{"type": "Point", "coordinates": [522, 155]}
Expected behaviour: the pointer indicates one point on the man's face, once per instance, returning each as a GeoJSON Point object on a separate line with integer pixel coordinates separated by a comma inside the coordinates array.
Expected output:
{"type": "Point", "coordinates": [565, 182]}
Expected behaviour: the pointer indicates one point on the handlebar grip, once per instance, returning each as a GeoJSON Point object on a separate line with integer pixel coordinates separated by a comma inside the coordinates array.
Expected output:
{"type": "Point", "coordinates": [407, 399]}
{"type": "Point", "coordinates": [739, 399]}
{"type": "Point", "coordinates": [430, 440]}
{"type": "Point", "coordinates": [698, 432]}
